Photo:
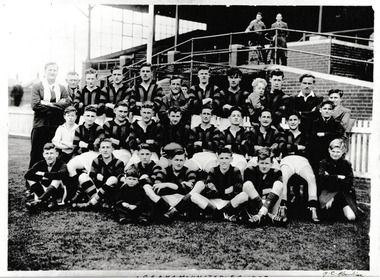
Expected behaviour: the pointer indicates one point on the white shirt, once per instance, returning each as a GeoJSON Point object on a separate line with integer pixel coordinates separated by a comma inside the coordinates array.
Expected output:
{"type": "Point", "coordinates": [311, 94]}
{"type": "Point", "coordinates": [63, 134]}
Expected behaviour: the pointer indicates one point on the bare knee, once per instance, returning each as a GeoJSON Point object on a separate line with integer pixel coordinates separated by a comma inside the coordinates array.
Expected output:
{"type": "Point", "coordinates": [56, 183]}
{"type": "Point", "coordinates": [31, 182]}
{"type": "Point", "coordinates": [239, 199]}
{"type": "Point", "coordinates": [111, 181]}
{"type": "Point", "coordinates": [83, 178]}
{"type": "Point", "coordinates": [191, 165]}
{"type": "Point", "coordinates": [248, 187]}
{"type": "Point", "coordinates": [278, 187]}
{"type": "Point", "coordinates": [199, 186]}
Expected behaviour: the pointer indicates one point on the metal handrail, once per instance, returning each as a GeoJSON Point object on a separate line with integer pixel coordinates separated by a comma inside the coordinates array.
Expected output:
{"type": "Point", "coordinates": [330, 34]}
{"type": "Point", "coordinates": [175, 46]}
{"type": "Point", "coordinates": [352, 30]}
{"type": "Point", "coordinates": [190, 55]}
{"type": "Point", "coordinates": [287, 49]}
{"type": "Point", "coordinates": [292, 30]}
{"type": "Point", "coordinates": [103, 60]}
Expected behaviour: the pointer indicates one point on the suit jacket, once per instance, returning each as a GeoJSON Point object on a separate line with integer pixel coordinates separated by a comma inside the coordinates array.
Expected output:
{"type": "Point", "coordinates": [168, 101]}
{"type": "Point", "coordinates": [44, 115]}
{"type": "Point", "coordinates": [319, 145]}
{"type": "Point", "coordinates": [72, 92]}
{"type": "Point", "coordinates": [342, 115]}
{"type": "Point", "coordinates": [280, 25]}
{"type": "Point", "coordinates": [330, 184]}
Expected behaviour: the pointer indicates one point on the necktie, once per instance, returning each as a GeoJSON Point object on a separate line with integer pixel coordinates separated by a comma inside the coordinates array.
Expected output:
{"type": "Point", "coordinates": [52, 99]}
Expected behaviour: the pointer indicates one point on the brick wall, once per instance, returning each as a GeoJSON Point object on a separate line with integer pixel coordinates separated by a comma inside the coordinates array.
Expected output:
{"type": "Point", "coordinates": [340, 67]}
{"type": "Point", "coordinates": [308, 61]}
{"type": "Point", "coordinates": [351, 69]}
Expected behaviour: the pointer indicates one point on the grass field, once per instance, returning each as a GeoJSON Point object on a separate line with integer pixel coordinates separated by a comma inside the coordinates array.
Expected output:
{"type": "Point", "coordinates": [71, 241]}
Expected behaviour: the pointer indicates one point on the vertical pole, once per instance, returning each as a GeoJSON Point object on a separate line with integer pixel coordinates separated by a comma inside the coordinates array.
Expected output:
{"type": "Point", "coordinates": [320, 19]}
{"type": "Point", "coordinates": [149, 48]}
{"type": "Point", "coordinates": [74, 47]}
{"type": "Point", "coordinates": [329, 61]}
{"type": "Point", "coordinates": [191, 62]}
{"type": "Point", "coordinates": [89, 33]}
{"type": "Point", "coordinates": [176, 28]}
{"type": "Point", "coordinates": [275, 48]}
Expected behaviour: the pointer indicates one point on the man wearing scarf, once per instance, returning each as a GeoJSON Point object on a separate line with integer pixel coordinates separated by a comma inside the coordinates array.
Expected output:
{"type": "Point", "coordinates": [48, 101]}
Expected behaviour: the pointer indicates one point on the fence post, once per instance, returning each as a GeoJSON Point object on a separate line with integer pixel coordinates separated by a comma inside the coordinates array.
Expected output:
{"type": "Point", "coordinates": [191, 61]}
{"type": "Point", "coordinates": [329, 61]}
{"type": "Point", "coordinates": [275, 47]}
{"type": "Point", "coordinates": [359, 139]}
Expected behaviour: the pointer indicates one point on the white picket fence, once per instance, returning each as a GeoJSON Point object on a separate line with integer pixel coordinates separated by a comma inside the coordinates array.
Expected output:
{"type": "Point", "coordinates": [358, 149]}
{"type": "Point", "coordinates": [20, 123]}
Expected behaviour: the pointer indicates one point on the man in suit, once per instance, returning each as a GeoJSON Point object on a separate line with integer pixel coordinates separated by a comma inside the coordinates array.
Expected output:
{"type": "Point", "coordinates": [48, 101]}
{"type": "Point", "coordinates": [341, 114]}
{"type": "Point", "coordinates": [280, 35]}
{"type": "Point", "coordinates": [72, 80]}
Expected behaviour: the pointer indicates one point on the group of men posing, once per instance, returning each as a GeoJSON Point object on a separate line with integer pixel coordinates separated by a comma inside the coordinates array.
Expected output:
{"type": "Point", "coordinates": [157, 156]}
{"type": "Point", "coordinates": [277, 38]}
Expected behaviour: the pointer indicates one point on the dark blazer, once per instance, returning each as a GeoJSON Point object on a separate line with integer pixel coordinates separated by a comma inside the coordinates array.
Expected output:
{"type": "Point", "coordinates": [330, 184]}
{"type": "Point", "coordinates": [48, 116]}
{"type": "Point", "coordinates": [342, 115]}
{"type": "Point", "coordinates": [280, 25]}
{"type": "Point", "coordinates": [168, 101]}
{"type": "Point", "coordinates": [319, 145]}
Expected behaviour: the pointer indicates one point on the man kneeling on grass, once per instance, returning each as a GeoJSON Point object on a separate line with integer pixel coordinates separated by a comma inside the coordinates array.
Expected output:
{"type": "Point", "coordinates": [221, 193]}
{"type": "Point", "coordinates": [262, 180]}
{"type": "Point", "coordinates": [100, 184]}
{"type": "Point", "coordinates": [45, 180]}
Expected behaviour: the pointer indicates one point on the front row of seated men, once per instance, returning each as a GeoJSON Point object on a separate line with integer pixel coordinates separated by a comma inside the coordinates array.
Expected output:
{"type": "Point", "coordinates": [235, 175]}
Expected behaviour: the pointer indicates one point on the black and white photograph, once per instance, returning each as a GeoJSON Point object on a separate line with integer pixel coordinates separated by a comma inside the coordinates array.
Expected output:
{"type": "Point", "coordinates": [189, 139]}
